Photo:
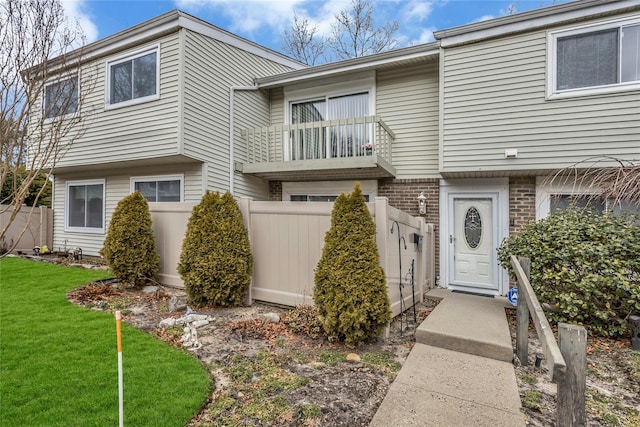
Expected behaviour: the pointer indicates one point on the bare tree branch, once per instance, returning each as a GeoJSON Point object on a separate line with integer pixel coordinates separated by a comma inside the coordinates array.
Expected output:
{"type": "Point", "coordinates": [355, 34]}
{"type": "Point", "coordinates": [303, 42]}
{"type": "Point", "coordinates": [602, 177]}
{"type": "Point", "coordinates": [41, 93]}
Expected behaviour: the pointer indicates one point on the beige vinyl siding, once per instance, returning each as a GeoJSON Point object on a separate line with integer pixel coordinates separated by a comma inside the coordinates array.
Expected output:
{"type": "Point", "coordinates": [117, 186]}
{"type": "Point", "coordinates": [407, 101]}
{"type": "Point", "coordinates": [138, 131]}
{"type": "Point", "coordinates": [494, 98]}
{"type": "Point", "coordinates": [211, 67]}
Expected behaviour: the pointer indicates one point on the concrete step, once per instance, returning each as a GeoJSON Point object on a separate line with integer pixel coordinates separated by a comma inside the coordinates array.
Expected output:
{"type": "Point", "coordinates": [469, 324]}
{"type": "Point", "coordinates": [438, 387]}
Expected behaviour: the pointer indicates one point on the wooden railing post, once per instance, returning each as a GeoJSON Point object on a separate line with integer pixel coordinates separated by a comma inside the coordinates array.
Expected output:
{"type": "Point", "coordinates": [572, 340]}
{"type": "Point", "coordinates": [522, 318]}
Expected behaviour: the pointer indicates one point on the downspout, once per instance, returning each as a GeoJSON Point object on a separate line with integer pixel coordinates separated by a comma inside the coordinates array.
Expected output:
{"type": "Point", "coordinates": [232, 91]}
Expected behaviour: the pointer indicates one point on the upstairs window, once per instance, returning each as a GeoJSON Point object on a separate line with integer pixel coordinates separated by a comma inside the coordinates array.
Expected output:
{"type": "Point", "coordinates": [595, 59]}
{"type": "Point", "coordinates": [133, 79]}
{"type": "Point", "coordinates": [61, 98]}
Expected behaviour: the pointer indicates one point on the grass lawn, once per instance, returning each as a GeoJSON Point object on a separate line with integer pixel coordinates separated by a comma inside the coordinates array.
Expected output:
{"type": "Point", "coordinates": [58, 362]}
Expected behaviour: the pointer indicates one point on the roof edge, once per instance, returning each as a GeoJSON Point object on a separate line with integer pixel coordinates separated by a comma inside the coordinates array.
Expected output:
{"type": "Point", "coordinates": [536, 18]}
{"type": "Point", "coordinates": [352, 64]}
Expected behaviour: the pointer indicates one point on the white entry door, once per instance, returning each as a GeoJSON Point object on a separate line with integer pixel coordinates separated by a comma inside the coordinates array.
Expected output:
{"type": "Point", "coordinates": [473, 244]}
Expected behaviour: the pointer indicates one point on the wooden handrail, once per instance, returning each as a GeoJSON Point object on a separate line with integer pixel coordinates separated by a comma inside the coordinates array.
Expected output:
{"type": "Point", "coordinates": [552, 354]}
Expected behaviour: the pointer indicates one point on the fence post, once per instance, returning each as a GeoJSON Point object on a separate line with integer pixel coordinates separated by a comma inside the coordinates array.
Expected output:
{"type": "Point", "coordinates": [572, 340]}
{"type": "Point", "coordinates": [244, 204]}
{"type": "Point", "coordinates": [522, 318]}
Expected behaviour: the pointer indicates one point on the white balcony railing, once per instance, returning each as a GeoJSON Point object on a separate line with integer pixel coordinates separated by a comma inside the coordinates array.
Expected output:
{"type": "Point", "coordinates": [329, 139]}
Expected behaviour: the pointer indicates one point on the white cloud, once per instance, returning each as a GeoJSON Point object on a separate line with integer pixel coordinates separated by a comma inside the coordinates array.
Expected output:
{"type": "Point", "coordinates": [247, 16]}
{"type": "Point", "coordinates": [74, 12]}
{"type": "Point", "coordinates": [426, 36]}
{"type": "Point", "coordinates": [417, 10]}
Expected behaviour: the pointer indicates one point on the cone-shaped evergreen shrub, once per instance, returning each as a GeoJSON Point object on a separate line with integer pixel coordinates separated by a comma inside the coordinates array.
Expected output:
{"type": "Point", "coordinates": [130, 245]}
{"type": "Point", "coordinates": [350, 285]}
{"type": "Point", "coordinates": [216, 262]}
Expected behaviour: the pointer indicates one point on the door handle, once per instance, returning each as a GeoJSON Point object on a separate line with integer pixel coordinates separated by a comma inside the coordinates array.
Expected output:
{"type": "Point", "coordinates": [451, 239]}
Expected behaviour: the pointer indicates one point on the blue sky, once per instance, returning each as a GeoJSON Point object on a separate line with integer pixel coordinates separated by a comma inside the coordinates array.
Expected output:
{"type": "Point", "coordinates": [263, 21]}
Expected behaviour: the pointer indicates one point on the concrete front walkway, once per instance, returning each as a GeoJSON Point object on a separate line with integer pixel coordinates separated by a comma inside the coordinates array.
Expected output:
{"type": "Point", "coordinates": [459, 372]}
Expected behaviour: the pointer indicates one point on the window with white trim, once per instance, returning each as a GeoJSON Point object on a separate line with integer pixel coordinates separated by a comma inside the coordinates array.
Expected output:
{"type": "Point", "coordinates": [85, 206]}
{"type": "Point", "coordinates": [160, 188]}
{"type": "Point", "coordinates": [134, 78]}
{"type": "Point", "coordinates": [61, 97]}
{"type": "Point", "coordinates": [595, 59]}
{"type": "Point", "coordinates": [325, 191]}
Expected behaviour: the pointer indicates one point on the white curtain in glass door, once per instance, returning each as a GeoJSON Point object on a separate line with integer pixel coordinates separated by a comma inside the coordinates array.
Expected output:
{"type": "Point", "coordinates": [337, 141]}
{"type": "Point", "coordinates": [348, 140]}
{"type": "Point", "coordinates": [308, 143]}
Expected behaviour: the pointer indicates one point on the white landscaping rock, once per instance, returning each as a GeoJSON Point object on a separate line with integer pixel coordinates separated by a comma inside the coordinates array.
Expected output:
{"type": "Point", "coordinates": [271, 317]}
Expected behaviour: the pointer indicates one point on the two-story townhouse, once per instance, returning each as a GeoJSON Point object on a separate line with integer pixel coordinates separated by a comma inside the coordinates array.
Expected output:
{"type": "Point", "coordinates": [159, 114]}
{"type": "Point", "coordinates": [475, 122]}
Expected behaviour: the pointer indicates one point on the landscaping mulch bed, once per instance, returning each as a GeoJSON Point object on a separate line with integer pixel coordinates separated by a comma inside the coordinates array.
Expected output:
{"type": "Point", "coordinates": [268, 373]}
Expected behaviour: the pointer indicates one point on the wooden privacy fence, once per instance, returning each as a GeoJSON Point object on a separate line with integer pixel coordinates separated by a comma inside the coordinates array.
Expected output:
{"type": "Point", "coordinates": [36, 222]}
{"type": "Point", "coordinates": [287, 240]}
{"type": "Point", "coordinates": [566, 360]}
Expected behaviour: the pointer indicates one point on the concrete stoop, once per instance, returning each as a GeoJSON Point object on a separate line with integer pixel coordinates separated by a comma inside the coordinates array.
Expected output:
{"type": "Point", "coordinates": [459, 372]}
{"type": "Point", "coordinates": [469, 324]}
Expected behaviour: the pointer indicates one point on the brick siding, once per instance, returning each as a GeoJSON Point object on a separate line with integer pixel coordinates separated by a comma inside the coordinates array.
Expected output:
{"type": "Point", "coordinates": [522, 202]}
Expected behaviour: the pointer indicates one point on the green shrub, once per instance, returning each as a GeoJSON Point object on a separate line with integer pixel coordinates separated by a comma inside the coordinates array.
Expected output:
{"type": "Point", "coordinates": [585, 265]}
{"type": "Point", "coordinates": [350, 285]}
{"type": "Point", "coordinates": [130, 246]}
{"type": "Point", "coordinates": [216, 262]}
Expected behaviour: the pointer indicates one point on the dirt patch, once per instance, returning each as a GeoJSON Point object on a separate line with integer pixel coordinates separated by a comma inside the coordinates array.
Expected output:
{"type": "Point", "coordinates": [268, 373]}
{"type": "Point", "coordinates": [613, 383]}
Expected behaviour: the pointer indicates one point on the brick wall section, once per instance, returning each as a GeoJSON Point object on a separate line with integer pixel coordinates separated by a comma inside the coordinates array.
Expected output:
{"type": "Point", "coordinates": [275, 191]}
{"type": "Point", "coordinates": [522, 202]}
{"type": "Point", "coordinates": [403, 194]}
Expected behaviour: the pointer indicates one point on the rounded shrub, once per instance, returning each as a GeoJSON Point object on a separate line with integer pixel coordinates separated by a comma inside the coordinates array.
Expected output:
{"type": "Point", "coordinates": [216, 263]}
{"type": "Point", "coordinates": [585, 265]}
{"type": "Point", "coordinates": [350, 285]}
{"type": "Point", "coordinates": [130, 245]}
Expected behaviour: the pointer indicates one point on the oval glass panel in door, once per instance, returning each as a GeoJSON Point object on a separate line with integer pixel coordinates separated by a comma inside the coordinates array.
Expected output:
{"type": "Point", "coordinates": [472, 227]}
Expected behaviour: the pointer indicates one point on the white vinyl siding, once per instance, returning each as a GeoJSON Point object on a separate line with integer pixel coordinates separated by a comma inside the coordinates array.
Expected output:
{"type": "Point", "coordinates": [407, 101]}
{"type": "Point", "coordinates": [494, 99]}
{"type": "Point", "coordinates": [134, 132]}
{"type": "Point", "coordinates": [117, 184]}
{"type": "Point", "coordinates": [210, 69]}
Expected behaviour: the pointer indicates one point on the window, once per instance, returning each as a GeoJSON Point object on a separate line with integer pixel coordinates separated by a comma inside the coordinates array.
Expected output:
{"type": "Point", "coordinates": [85, 206]}
{"type": "Point", "coordinates": [61, 98]}
{"type": "Point", "coordinates": [325, 191]}
{"type": "Point", "coordinates": [595, 59]}
{"type": "Point", "coordinates": [133, 79]}
{"type": "Point", "coordinates": [159, 189]}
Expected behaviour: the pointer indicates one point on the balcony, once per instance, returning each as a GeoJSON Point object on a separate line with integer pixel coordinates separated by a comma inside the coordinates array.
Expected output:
{"type": "Point", "coordinates": [354, 148]}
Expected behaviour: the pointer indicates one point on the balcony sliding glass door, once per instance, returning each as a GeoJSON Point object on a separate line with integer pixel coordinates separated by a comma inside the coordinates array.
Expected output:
{"type": "Point", "coordinates": [342, 139]}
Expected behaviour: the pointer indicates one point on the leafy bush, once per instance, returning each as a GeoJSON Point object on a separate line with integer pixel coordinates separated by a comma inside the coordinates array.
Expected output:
{"type": "Point", "coordinates": [585, 265]}
{"type": "Point", "coordinates": [350, 285]}
{"type": "Point", "coordinates": [216, 263]}
{"type": "Point", "coordinates": [130, 245]}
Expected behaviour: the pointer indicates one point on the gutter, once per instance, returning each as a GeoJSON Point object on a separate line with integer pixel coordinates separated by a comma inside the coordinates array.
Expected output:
{"type": "Point", "coordinates": [232, 91]}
